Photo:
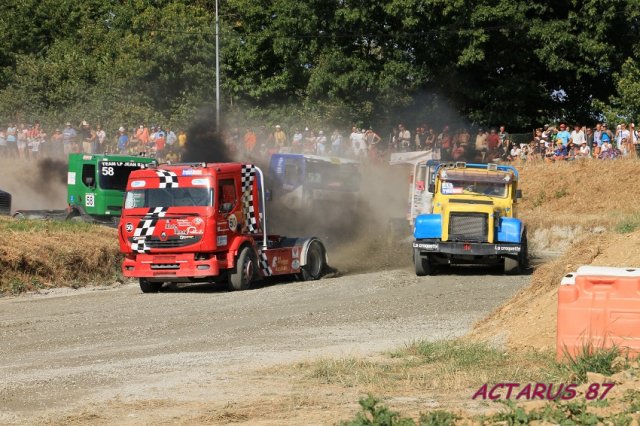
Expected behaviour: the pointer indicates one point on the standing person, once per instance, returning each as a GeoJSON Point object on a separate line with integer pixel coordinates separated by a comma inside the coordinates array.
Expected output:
{"type": "Point", "coordinates": [172, 138]}
{"type": "Point", "coordinates": [250, 141]}
{"type": "Point", "coordinates": [123, 141]}
{"type": "Point", "coordinates": [336, 143]}
{"type": "Point", "coordinates": [605, 137]}
{"type": "Point", "coordinates": [404, 136]}
{"type": "Point", "coordinates": [161, 141]}
{"type": "Point", "coordinates": [503, 135]}
{"type": "Point", "coordinates": [563, 135]}
{"type": "Point", "coordinates": [3, 143]}
{"type": "Point", "coordinates": [418, 139]}
{"type": "Point", "coordinates": [589, 138]}
{"type": "Point", "coordinates": [321, 143]}
{"type": "Point", "coordinates": [280, 138]}
{"type": "Point", "coordinates": [85, 137]}
{"type": "Point", "coordinates": [577, 136]}
{"type": "Point", "coordinates": [634, 139]}
{"type": "Point", "coordinates": [56, 144]}
{"type": "Point", "coordinates": [182, 139]}
{"type": "Point", "coordinates": [597, 138]}
{"type": "Point", "coordinates": [22, 141]}
{"type": "Point", "coordinates": [101, 140]}
{"type": "Point", "coordinates": [296, 142]}
{"type": "Point", "coordinates": [142, 135]}
{"type": "Point", "coordinates": [12, 141]}
{"type": "Point", "coordinates": [69, 135]}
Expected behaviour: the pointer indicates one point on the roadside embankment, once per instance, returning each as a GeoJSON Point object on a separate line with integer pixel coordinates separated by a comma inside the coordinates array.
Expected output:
{"type": "Point", "coordinates": [37, 255]}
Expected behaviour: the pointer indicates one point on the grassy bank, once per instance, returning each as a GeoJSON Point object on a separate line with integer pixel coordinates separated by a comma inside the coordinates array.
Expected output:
{"type": "Point", "coordinates": [43, 254]}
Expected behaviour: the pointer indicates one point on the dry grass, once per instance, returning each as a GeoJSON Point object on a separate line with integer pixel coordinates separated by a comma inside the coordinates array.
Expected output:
{"type": "Point", "coordinates": [43, 254]}
{"type": "Point", "coordinates": [580, 193]}
{"type": "Point", "coordinates": [449, 366]}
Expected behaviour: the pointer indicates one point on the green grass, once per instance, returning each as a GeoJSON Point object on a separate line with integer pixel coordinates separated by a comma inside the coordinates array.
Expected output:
{"type": "Point", "coordinates": [561, 193]}
{"type": "Point", "coordinates": [628, 224]}
{"type": "Point", "coordinates": [591, 359]}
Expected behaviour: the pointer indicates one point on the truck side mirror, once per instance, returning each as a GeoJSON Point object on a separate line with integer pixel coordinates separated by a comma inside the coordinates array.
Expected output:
{"type": "Point", "coordinates": [432, 187]}
{"type": "Point", "coordinates": [518, 193]}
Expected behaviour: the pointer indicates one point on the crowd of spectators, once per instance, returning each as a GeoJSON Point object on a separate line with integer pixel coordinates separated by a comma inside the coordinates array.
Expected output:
{"type": "Point", "coordinates": [548, 143]}
{"type": "Point", "coordinates": [32, 141]}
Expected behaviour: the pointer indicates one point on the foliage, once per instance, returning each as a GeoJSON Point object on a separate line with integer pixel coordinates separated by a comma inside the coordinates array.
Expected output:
{"type": "Point", "coordinates": [322, 61]}
{"type": "Point", "coordinates": [591, 359]}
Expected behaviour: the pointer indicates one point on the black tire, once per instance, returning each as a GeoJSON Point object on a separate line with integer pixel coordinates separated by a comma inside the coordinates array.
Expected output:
{"type": "Point", "coordinates": [315, 263]}
{"type": "Point", "coordinates": [242, 275]}
{"type": "Point", "coordinates": [518, 265]}
{"type": "Point", "coordinates": [149, 287]}
{"type": "Point", "coordinates": [422, 264]}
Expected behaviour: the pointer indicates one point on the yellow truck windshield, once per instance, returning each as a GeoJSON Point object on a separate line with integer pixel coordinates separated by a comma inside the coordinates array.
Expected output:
{"type": "Point", "coordinates": [474, 183]}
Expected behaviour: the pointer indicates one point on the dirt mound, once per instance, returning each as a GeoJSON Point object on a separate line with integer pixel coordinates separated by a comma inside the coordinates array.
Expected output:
{"type": "Point", "coordinates": [43, 254]}
{"type": "Point", "coordinates": [582, 193]}
{"type": "Point", "coordinates": [529, 318]}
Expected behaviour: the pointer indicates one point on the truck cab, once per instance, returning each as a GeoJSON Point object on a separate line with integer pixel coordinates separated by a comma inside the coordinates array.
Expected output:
{"type": "Point", "coordinates": [303, 180]}
{"type": "Point", "coordinates": [474, 219]}
{"type": "Point", "coordinates": [205, 222]}
{"type": "Point", "coordinates": [96, 184]}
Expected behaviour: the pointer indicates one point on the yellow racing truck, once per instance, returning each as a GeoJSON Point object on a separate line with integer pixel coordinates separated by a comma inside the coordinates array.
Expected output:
{"type": "Point", "coordinates": [473, 220]}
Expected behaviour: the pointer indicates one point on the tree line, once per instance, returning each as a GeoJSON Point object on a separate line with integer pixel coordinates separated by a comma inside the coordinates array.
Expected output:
{"type": "Point", "coordinates": [337, 62]}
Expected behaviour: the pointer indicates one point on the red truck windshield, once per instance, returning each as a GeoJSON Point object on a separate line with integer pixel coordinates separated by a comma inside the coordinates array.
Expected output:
{"type": "Point", "coordinates": [169, 197]}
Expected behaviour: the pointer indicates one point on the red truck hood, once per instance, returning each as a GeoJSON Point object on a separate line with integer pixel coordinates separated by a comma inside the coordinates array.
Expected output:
{"type": "Point", "coordinates": [148, 230]}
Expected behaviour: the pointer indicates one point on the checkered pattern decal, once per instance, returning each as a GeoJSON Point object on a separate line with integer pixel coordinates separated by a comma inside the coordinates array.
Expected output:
{"type": "Point", "coordinates": [145, 229]}
{"type": "Point", "coordinates": [167, 179]}
{"type": "Point", "coordinates": [247, 176]}
{"type": "Point", "coordinates": [264, 264]}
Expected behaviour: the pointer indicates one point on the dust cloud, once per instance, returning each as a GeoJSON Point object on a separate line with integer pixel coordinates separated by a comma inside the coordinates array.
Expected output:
{"type": "Point", "coordinates": [356, 234]}
{"type": "Point", "coordinates": [205, 143]}
{"type": "Point", "coordinates": [35, 185]}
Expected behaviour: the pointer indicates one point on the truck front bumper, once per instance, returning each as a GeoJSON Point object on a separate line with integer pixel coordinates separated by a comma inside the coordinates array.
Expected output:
{"type": "Point", "coordinates": [175, 267]}
{"type": "Point", "coordinates": [466, 249]}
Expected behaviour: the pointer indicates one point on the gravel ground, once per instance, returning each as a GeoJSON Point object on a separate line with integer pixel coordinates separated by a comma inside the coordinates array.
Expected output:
{"type": "Point", "coordinates": [70, 349]}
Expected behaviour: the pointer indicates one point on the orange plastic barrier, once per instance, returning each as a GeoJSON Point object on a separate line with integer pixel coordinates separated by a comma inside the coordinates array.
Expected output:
{"type": "Point", "coordinates": [599, 307]}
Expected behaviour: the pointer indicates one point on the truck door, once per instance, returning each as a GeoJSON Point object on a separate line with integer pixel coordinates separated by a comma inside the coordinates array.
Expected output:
{"type": "Point", "coordinates": [229, 219]}
{"type": "Point", "coordinates": [87, 189]}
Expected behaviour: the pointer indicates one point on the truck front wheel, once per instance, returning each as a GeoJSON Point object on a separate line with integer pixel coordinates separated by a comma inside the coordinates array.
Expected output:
{"type": "Point", "coordinates": [422, 263]}
{"type": "Point", "coordinates": [242, 276]}
{"type": "Point", "coordinates": [521, 263]}
{"type": "Point", "coordinates": [149, 287]}
{"type": "Point", "coordinates": [314, 263]}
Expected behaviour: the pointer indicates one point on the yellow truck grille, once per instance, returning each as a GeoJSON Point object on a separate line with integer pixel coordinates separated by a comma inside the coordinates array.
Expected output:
{"type": "Point", "coordinates": [472, 227]}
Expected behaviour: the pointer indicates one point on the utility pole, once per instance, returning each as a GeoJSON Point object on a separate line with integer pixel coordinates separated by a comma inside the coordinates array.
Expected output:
{"type": "Point", "coordinates": [217, 71]}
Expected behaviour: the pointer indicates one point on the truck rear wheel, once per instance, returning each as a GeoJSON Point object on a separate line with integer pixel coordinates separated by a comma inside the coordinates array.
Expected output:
{"type": "Point", "coordinates": [422, 263]}
{"type": "Point", "coordinates": [149, 287]}
{"type": "Point", "coordinates": [245, 270]}
{"type": "Point", "coordinates": [315, 262]}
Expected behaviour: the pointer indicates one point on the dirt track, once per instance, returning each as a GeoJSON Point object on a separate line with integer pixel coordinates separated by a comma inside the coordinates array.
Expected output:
{"type": "Point", "coordinates": [72, 350]}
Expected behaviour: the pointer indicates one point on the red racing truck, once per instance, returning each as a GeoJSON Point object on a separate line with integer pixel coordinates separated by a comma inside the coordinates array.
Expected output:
{"type": "Point", "coordinates": [204, 222]}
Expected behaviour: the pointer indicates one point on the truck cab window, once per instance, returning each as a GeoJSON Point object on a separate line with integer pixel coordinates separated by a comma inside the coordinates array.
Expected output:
{"type": "Point", "coordinates": [227, 197]}
{"type": "Point", "coordinates": [291, 172]}
{"type": "Point", "coordinates": [89, 175]}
